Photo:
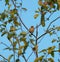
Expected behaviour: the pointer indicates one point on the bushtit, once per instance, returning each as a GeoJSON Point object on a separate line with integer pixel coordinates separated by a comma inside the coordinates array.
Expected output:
{"type": "Point", "coordinates": [31, 30]}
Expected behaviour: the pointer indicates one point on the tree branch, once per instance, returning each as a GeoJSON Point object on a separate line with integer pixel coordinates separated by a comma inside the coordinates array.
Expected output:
{"type": "Point", "coordinates": [13, 50]}
{"type": "Point", "coordinates": [52, 22]}
{"type": "Point", "coordinates": [21, 19]}
{"type": "Point", "coordinates": [40, 39]}
{"type": "Point", "coordinates": [42, 35]}
{"type": "Point", "coordinates": [48, 27]}
{"type": "Point", "coordinates": [24, 58]}
{"type": "Point", "coordinates": [29, 56]}
{"type": "Point", "coordinates": [36, 39]}
{"type": "Point", "coordinates": [5, 44]}
{"type": "Point", "coordinates": [4, 57]}
{"type": "Point", "coordinates": [50, 15]}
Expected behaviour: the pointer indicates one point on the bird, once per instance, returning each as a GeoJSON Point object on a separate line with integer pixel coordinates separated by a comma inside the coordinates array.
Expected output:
{"type": "Point", "coordinates": [31, 29]}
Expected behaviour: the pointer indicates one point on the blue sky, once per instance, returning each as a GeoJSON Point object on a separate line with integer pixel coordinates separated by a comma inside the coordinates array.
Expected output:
{"type": "Point", "coordinates": [29, 20]}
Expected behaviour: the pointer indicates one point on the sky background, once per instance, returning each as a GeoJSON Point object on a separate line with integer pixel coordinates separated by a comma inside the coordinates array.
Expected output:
{"type": "Point", "coordinates": [29, 20]}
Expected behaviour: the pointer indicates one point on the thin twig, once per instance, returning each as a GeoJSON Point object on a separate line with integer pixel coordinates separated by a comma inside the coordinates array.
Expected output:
{"type": "Point", "coordinates": [50, 15]}
{"type": "Point", "coordinates": [13, 50]}
{"type": "Point", "coordinates": [52, 22]}
{"type": "Point", "coordinates": [37, 25]}
{"type": "Point", "coordinates": [5, 44]}
{"type": "Point", "coordinates": [29, 56]}
{"type": "Point", "coordinates": [59, 49]}
{"type": "Point", "coordinates": [42, 35]}
{"type": "Point", "coordinates": [18, 44]}
{"type": "Point", "coordinates": [4, 57]}
{"type": "Point", "coordinates": [40, 40]}
{"type": "Point", "coordinates": [36, 39]}
{"type": "Point", "coordinates": [24, 58]}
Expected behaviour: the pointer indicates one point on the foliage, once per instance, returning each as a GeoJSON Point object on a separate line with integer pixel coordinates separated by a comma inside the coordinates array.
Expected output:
{"type": "Point", "coordinates": [16, 35]}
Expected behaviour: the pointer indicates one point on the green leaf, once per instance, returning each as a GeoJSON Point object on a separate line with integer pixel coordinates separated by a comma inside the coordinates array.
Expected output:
{"type": "Point", "coordinates": [39, 59]}
{"type": "Point", "coordinates": [51, 59]}
{"type": "Point", "coordinates": [24, 9]}
{"type": "Point", "coordinates": [3, 16]}
{"type": "Point", "coordinates": [9, 6]}
{"type": "Point", "coordinates": [42, 20]}
{"type": "Point", "coordinates": [9, 58]}
{"type": "Point", "coordinates": [10, 20]}
{"type": "Point", "coordinates": [50, 49]}
{"type": "Point", "coordinates": [10, 35]}
{"type": "Point", "coordinates": [32, 41]}
{"type": "Point", "coordinates": [12, 28]}
{"type": "Point", "coordinates": [58, 4]}
{"type": "Point", "coordinates": [25, 46]}
{"type": "Point", "coordinates": [54, 40]}
{"type": "Point", "coordinates": [37, 11]}
{"type": "Point", "coordinates": [58, 28]}
{"type": "Point", "coordinates": [14, 44]}
{"type": "Point", "coordinates": [40, 3]}
{"type": "Point", "coordinates": [52, 54]}
{"type": "Point", "coordinates": [36, 60]}
{"type": "Point", "coordinates": [17, 23]}
{"type": "Point", "coordinates": [36, 15]}
{"type": "Point", "coordinates": [19, 52]}
{"type": "Point", "coordinates": [50, 33]}
{"type": "Point", "coordinates": [3, 33]}
{"type": "Point", "coordinates": [45, 60]}
{"type": "Point", "coordinates": [8, 48]}
{"type": "Point", "coordinates": [2, 29]}
{"type": "Point", "coordinates": [23, 34]}
{"type": "Point", "coordinates": [44, 50]}
{"type": "Point", "coordinates": [17, 60]}
{"type": "Point", "coordinates": [22, 39]}
{"type": "Point", "coordinates": [4, 25]}
{"type": "Point", "coordinates": [21, 47]}
{"type": "Point", "coordinates": [7, 2]}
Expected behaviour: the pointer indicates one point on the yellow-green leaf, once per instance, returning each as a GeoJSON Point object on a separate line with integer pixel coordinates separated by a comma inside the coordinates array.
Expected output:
{"type": "Point", "coordinates": [50, 33]}
{"type": "Point", "coordinates": [14, 44]}
{"type": "Point", "coordinates": [9, 6]}
{"type": "Point", "coordinates": [7, 1]}
{"type": "Point", "coordinates": [24, 9]}
{"type": "Point", "coordinates": [44, 50]}
{"type": "Point", "coordinates": [58, 3]}
{"type": "Point", "coordinates": [40, 3]}
{"type": "Point", "coordinates": [10, 35]}
{"type": "Point", "coordinates": [50, 59]}
{"type": "Point", "coordinates": [32, 41]}
{"type": "Point", "coordinates": [12, 28]}
{"type": "Point", "coordinates": [3, 33]}
{"type": "Point", "coordinates": [9, 58]}
{"type": "Point", "coordinates": [52, 54]}
{"type": "Point", "coordinates": [17, 60]}
{"type": "Point", "coordinates": [42, 20]}
{"type": "Point", "coordinates": [54, 40]}
{"type": "Point", "coordinates": [36, 15]}
{"type": "Point", "coordinates": [19, 52]}
{"type": "Point", "coordinates": [21, 47]}
{"type": "Point", "coordinates": [58, 28]}
{"type": "Point", "coordinates": [16, 23]}
{"type": "Point", "coordinates": [23, 39]}
{"type": "Point", "coordinates": [38, 59]}
{"type": "Point", "coordinates": [23, 34]}
{"type": "Point", "coordinates": [50, 49]}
